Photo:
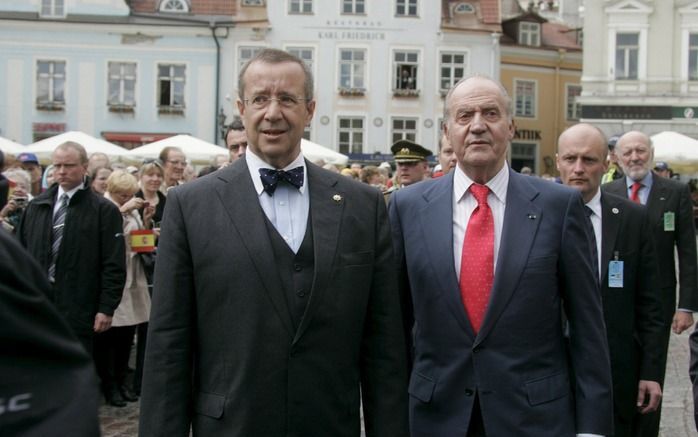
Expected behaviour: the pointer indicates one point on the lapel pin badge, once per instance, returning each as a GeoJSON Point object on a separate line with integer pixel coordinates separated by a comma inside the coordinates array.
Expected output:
{"type": "Point", "coordinates": [337, 198]}
{"type": "Point", "coordinates": [532, 216]}
{"type": "Point", "coordinates": [615, 211]}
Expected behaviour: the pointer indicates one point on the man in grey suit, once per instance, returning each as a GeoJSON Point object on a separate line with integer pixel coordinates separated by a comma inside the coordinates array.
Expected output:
{"type": "Point", "coordinates": [275, 305]}
{"type": "Point", "coordinates": [628, 273]}
{"type": "Point", "coordinates": [670, 213]}
{"type": "Point", "coordinates": [489, 258]}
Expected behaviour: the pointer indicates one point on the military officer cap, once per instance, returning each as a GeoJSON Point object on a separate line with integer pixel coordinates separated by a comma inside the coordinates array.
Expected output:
{"type": "Point", "coordinates": [408, 151]}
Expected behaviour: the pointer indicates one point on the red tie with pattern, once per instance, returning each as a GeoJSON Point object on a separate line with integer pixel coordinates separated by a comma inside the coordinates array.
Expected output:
{"type": "Point", "coordinates": [635, 188]}
{"type": "Point", "coordinates": [477, 260]}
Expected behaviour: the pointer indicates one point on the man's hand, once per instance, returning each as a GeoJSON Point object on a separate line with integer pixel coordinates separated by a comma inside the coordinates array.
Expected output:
{"type": "Point", "coordinates": [102, 322]}
{"type": "Point", "coordinates": [651, 391]}
{"type": "Point", "coordinates": [682, 321]}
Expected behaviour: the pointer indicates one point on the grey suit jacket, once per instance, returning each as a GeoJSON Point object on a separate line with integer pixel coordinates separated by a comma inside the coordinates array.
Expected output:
{"type": "Point", "coordinates": [517, 363]}
{"type": "Point", "coordinates": [222, 353]}
{"type": "Point", "coordinates": [669, 196]}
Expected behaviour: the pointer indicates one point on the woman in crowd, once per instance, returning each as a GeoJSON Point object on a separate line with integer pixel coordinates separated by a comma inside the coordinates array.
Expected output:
{"type": "Point", "coordinates": [20, 187]}
{"type": "Point", "coordinates": [113, 347]}
{"type": "Point", "coordinates": [98, 179]}
{"type": "Point", "coordinates": [47, 178]}
{"type": "Point", "coordinates": [151, 174]}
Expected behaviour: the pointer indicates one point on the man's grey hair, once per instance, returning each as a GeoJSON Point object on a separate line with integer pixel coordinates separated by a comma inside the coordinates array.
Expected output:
{"type": "Point", "coordinates": [276, 56]}
{"type": "Point", "coordinates": [508, 106]}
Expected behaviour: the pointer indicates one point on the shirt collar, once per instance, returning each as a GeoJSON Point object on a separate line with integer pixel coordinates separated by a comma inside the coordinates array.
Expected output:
{"type": "Point", "coordinates": [71, 192]}
{"type": "Point", "coordinates": [254, 163]}
{"type": "Point", "coordinates": [497, 185]}
{"type": "Point", "coordinates": [646, 181]}
{"type": "Point", "coordinates": [595, 203]}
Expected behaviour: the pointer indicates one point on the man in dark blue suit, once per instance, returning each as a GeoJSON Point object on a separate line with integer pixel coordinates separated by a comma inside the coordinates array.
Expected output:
{"type": "Point", "coordinates": [628, 273]}
{"type": "Point", "coordinates": [487, 277]}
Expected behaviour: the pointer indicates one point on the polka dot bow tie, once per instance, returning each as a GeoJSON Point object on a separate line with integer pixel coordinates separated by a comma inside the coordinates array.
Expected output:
{"type": "Point", "coordinates": [271, 178]}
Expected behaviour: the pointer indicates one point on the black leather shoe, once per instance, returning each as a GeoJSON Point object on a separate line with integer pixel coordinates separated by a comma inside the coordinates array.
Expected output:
{"type": "Point", "coordinates": [114, 398]}
{"type": "Point", "coordinates": [127, 394]}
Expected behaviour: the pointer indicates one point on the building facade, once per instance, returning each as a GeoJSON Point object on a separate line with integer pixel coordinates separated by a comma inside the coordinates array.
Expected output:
{"type": "Point", "coordinates": [641, 66]}
{"type": "Point", "coordinates": [129, 72]}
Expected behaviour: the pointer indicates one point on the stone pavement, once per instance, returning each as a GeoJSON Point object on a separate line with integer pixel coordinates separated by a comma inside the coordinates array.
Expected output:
{"type": "Point", "coordinates": [677, 414]}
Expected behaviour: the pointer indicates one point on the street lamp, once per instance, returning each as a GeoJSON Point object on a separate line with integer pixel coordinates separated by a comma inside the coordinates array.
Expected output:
{"type": "Point", "coordinates": [221, 123]}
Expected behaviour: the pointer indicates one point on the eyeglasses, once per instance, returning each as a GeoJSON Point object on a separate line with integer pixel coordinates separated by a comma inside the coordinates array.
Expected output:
{"type": "Point", "coordinates": [235, 147]}
{"type": "Point", "coordinates": [154, 161]}
{"type": "Point", "coordinates": [285, 101]}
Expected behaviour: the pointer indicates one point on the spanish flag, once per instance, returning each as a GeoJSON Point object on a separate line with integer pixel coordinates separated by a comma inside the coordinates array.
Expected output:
{"type": "Point", "coordinates": [142, 241]}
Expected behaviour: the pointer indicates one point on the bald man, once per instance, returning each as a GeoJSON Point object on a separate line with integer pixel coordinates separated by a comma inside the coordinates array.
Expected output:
{"type": "Point", "coordinates": [670, 213]}
{"type": "Point", "coordinates": [627, 268]}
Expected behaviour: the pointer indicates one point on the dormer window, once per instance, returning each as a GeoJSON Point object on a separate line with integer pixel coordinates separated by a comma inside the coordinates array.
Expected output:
{"type": "Point", "coordinates": [464, 8]}
{"type": "Point", "coordinates": [529, 34]}
{"type": "Point", "coordinates": [178, 6]}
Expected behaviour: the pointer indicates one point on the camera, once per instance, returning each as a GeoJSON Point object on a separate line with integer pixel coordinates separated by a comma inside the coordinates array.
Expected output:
{"type": "Point", "coordinates": [21, 202]}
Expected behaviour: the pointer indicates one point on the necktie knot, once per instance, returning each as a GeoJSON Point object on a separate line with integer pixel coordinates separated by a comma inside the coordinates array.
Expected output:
{"type": "Point", "coordinates": [634, 190]}
{"type": "Point", "coordinates": [271, 177]}
{"type": "Point", "coordinates": [64, 199]}
{"type": "Point", "coordinates": [480, 193]}
{"type": "Point", "coordinates": [589, 212]}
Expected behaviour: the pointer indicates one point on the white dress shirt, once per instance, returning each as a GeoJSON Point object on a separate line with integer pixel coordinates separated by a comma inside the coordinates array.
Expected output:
{"type": "Point", "coordinates": [288, 208]}
{"type": "Point", "coordinates": [464, 203]}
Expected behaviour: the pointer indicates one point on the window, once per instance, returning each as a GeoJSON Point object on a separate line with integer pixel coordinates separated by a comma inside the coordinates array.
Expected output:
{"type": "Point", "coordinates": [353, 7]}
{"type": "Point", "coordinates": [352, 65]}
{"type": "Point", "coordinates": [574, 109]}
{"type": "Point", "coordinates": [453, 67]}
{"type": "Point", "coordinates": [404, 129]}
{"type": "Point", "coordinates": [405, 70]}
{"type": "Point", "coordinates": [523, 155]}
{"type": "Point", "coordinates": [693, 56]}
{"type": "Point", "coordinates": [253, 2]}
{"type": "Point", "coordinates": [171, 82]}
{"type": "Point", "coordinates": [406, 8]}
{"type": "Point", "coordinates": [174, 6]}
{"type": "Point", "coordinates": [245, 54]}
{"type": "Point", "coordinates": [351, 134]}
{"type": "Point", "coordinates": [525, 98]}
{"type": "Point", "coordinates": [122, 85]}
{"type": "Point", "coordinates": [52, 8]}
{"type": "Point", "coordinates": [300, 7]}
{"type": "Point", "coordinates": [627, 49]}
{"type": "Point", "coordinates": [50, 84]}
{"type": "Point", "coordinates": [529, 34]}
{"type": "Point", "coordinates": [464, 8]}
{"type": "Point", "coordinates": [304, 53]}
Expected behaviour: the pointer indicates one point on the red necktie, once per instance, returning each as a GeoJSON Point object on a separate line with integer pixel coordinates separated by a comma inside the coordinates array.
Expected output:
{"type": "Point", "coordinates": [635, 188]}
{"type": "Point", "coordinates": [477, 261]}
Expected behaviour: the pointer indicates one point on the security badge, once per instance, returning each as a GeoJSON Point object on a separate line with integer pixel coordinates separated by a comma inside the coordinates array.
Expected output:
{"type": "Point", "coordinates": [669, 221]}
{"type": "Point", "coordinates": [615, 272]}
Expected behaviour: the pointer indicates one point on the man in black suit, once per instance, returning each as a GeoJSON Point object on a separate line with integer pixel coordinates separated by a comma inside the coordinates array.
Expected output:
{"type": "Point", "coordinates": [628, 272]}
{"type": "Point", "coordinates": [693, 371]}
{"type": "Point", "coordinates": [670, 212]}
{"type": "Point", "coordinates": [275, 304]}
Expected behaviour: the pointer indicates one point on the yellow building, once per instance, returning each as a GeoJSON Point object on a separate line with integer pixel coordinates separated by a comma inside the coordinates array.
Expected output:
{"type": "Point", "coordinates": [541, 68]}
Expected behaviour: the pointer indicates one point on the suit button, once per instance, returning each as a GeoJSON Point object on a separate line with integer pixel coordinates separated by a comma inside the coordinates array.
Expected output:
{"type": "Point", "coordinates": [469, 392]}
{"type": "Point", "coordinates": [300, 293]}
{"type": "Point", "coordinates": [478, 349]}
{"type": "Point", "coordinates": [297, 267]}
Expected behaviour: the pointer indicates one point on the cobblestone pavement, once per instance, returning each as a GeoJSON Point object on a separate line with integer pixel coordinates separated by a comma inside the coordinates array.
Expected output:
{"type": "Point", "coordinates": [677, 413]}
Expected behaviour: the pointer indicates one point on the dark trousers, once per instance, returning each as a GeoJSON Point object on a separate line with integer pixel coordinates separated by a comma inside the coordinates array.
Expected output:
{"type": "Point", "coordinates": [112, 352]}
{"type": "Point", "coordinates": [647, 425]}
{"type": "Point", "coordinates": [477, 425]}
{"type": "Point", "coordinates": [142, 333]}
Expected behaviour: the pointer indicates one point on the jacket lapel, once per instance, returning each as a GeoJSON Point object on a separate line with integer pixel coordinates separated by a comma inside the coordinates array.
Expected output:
{"type": "Point", "coordinates": [437, 213]}
{"type": "Point", "coordinates": [611, 214]}
{"type": "Point", "coordinates": [521, 220]}
{"type": "Point", "coordinates": [326, 211]}
{"type": "Point", "coordinates": [237, 194]}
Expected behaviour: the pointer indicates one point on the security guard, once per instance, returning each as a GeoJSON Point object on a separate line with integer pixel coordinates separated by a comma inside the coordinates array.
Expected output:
{"type": "Point", "coordinates": [411, 164]}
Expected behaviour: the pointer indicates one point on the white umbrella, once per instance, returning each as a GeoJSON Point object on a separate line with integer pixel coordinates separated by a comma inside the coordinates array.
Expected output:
{"type": "Point", "coordinates": [197, 151]}
{"type": "Point", "coordinates": [44, 148]}
{"type": "Point", "coordinates": [677, 150]}
{"type": "Point", "coordinates": [8, 146]}
{"type": "Point", "coordinates": [313, 152]}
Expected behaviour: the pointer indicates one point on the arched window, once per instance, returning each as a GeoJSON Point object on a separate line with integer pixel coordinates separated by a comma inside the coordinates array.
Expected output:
{"type": "Point", "coordinates": [174, 6]}
{"type": "Point", "coordinates": [464, 8]}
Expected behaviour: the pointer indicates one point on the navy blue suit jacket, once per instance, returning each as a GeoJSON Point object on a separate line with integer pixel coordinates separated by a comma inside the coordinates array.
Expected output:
{"type": "Point", "coordinates": [517, 363]}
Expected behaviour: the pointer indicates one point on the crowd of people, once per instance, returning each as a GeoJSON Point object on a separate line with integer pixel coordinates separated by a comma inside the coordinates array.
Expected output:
{"type": "Point", "coordinates": [269, 295]}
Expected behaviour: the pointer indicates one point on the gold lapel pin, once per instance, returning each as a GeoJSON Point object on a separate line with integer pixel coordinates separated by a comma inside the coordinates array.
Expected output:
{"type": "Point", "coordinates": [615, 211]}
{"type": "Point", "coordinates": [337, 198]}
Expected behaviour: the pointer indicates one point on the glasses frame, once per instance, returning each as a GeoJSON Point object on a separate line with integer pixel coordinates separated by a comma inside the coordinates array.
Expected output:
{"type": "Point", "coordinates": [277, 99]}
